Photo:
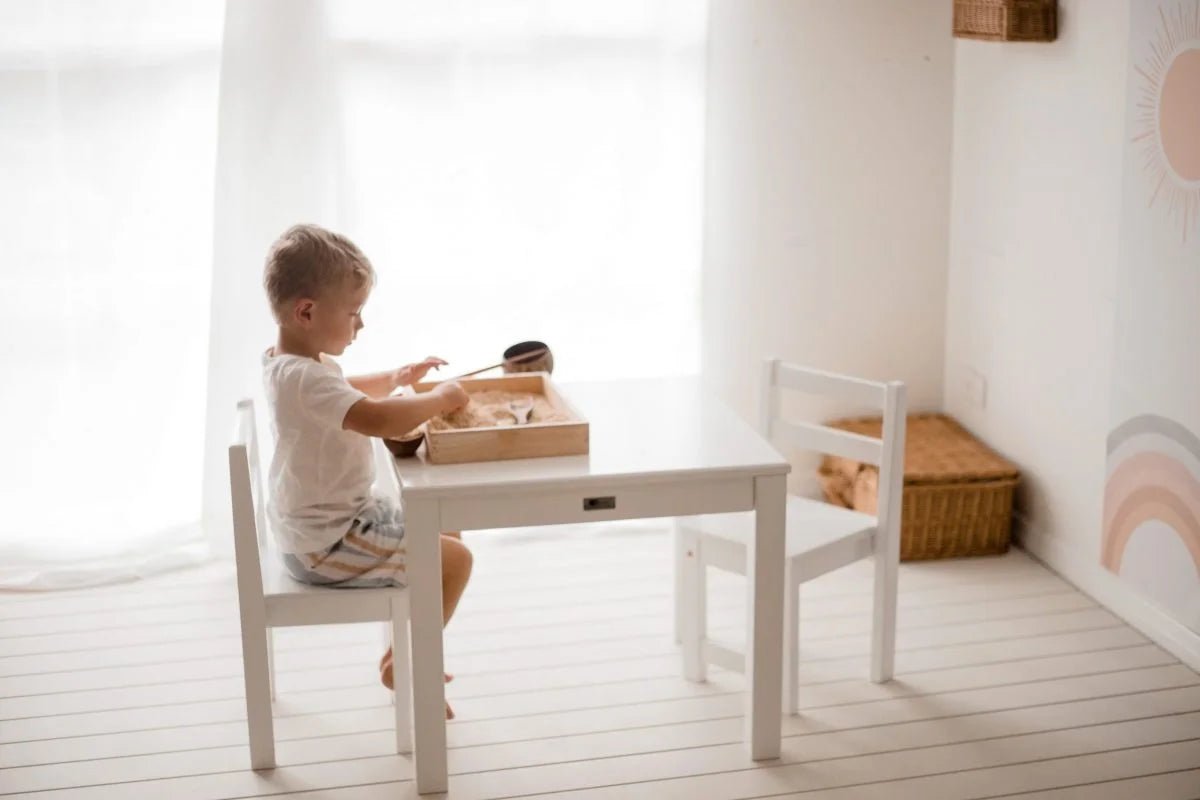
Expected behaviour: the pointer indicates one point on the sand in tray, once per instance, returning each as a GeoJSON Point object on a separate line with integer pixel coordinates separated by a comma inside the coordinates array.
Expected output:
{"type": "Point", "coordinates": [490, 409]}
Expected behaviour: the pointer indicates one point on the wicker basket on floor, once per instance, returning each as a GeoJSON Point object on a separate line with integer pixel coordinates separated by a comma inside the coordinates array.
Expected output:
{"type": "Point", "coordinates": [958, 493]}
{"type": "Point", "coordinates": [1006, 20]}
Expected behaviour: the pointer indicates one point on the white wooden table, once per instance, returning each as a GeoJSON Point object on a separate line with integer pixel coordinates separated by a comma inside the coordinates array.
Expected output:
{"type": "Point", "coordinates": [659, 448]}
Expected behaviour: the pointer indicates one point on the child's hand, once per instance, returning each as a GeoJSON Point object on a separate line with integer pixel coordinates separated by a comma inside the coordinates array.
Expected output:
{"type": "Point", "coordinates": [454, 396]}
{"type": "Point", "coordinates": [412, 373]}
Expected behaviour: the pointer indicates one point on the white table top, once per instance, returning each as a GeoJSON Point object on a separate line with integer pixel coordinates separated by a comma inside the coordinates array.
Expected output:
{"type": "Point", "coordinates": [640, 430]}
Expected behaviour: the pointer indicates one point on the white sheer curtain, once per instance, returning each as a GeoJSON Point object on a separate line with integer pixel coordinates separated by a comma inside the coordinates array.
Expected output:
{"type": "Point", "coordinates": [515, 169]}
{"type": "Point", "coordinates": [527, 170]}
{"type": "Point", "coordinates": [107, 122]}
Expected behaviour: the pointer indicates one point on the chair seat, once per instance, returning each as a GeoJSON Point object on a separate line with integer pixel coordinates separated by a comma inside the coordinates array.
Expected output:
{"type": "Point", "coordinates": [278, 581]}
{"type": "Point", "coordinates": [293, 602]}
{"type": "Point", "coordinates": [811, 525]}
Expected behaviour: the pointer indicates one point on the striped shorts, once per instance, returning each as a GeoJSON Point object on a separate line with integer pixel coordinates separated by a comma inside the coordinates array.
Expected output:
{"type": "Point", "coordinates": [369, 556]}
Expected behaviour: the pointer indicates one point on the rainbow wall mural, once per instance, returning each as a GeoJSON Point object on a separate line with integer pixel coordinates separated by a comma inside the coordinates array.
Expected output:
{"type": "Point", "coordinates": [1154, 475]}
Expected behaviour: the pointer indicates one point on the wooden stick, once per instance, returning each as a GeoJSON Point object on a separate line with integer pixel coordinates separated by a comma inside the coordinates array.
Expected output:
{"type": "Point", "coordinates": [521, 359]}
{"type": "Point", "coordinates": [476, 372]}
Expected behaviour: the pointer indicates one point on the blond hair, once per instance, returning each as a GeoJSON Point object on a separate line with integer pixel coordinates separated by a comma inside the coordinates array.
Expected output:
{"type": "Point", "coordinates": [307, 261]}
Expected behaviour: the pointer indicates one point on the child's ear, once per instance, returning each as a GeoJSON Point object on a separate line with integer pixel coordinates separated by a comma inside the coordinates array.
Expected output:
{"type": "Point", "coordinates": [304, 310]}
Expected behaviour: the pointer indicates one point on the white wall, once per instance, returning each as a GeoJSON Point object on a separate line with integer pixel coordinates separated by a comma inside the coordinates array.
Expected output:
{"type": "Point", "coordinates": [1033, 250]}
{"type": "Point", "coordinates": [1153, 465]}
{"type": "Point", "coordinates": [827, 190]}
{"type": "Point", "coordinates": [1034, 241]}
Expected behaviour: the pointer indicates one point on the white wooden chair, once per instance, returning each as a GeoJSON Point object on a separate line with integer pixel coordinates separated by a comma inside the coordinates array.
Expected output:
{"type": "Point", "coordinates": [269, 597]}
{"type": "Point", "coordinates": [820, 537]}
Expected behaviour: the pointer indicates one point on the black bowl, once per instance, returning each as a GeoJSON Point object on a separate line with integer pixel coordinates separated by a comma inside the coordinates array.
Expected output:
{"type": "Point", "coordinates": [405, 448]}
{"type": "Point", "coordinates": [529, 357]}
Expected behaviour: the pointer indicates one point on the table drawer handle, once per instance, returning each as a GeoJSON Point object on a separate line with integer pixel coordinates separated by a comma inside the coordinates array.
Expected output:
{"type": "Point", "coordinates": [599, 503]}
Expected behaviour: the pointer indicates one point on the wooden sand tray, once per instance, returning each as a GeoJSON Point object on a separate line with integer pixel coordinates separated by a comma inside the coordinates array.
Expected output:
{"type": "Point", "coordinates": [487, 431]}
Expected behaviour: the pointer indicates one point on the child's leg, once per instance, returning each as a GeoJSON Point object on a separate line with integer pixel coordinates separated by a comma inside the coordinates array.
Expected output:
{"type": "Point", "coordinates": [456, 571]}
{"type": "Point", "coordinates": [457, 562]}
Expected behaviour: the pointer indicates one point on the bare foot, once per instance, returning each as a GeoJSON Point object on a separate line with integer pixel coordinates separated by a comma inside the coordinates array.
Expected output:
{"type": "Point", "coordinates": [385, 672]}
{"type": "Point", "coordinates": [385, 675]}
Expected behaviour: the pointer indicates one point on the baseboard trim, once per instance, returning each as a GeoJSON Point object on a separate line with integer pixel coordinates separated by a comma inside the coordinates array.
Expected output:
{"type": "Point", "coordinates": [1107, 590]}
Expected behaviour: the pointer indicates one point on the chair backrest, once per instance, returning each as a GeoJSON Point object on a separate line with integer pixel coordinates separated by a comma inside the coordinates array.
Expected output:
{"type": "Point", "coordinates": [249, 518]}
{"type": "Point", "coordinates": [887, 453]}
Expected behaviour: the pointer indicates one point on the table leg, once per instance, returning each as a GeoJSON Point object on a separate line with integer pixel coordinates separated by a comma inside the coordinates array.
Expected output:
{"type": "Point", "coordinates": [764, 605]}
{"type": "Point", "coordinates": [422, 533]}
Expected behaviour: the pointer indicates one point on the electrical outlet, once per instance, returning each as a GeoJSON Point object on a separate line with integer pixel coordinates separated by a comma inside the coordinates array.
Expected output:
{"type": "Point", "coordinates": [974, 388]}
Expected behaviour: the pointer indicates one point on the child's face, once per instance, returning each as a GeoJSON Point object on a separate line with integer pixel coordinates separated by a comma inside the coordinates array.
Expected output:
{"type": "Point", "coordinates": [337, 318]}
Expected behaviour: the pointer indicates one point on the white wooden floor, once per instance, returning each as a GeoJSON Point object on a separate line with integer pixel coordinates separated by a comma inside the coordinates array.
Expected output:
{"type": "Point", "coordinates": [1012, 684]}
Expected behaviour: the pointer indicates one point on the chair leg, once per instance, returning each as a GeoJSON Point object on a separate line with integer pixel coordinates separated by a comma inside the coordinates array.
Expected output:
{"type": "Point", "coordinates": [258, 698]}
{"type": "Point", "coordinates": [883, 627]}
{"type": "Point", "coordinates": [401, 675]}
{"type": "Point", "coordinates": [693, 616]}
{"type": "Point", "coordinates": [680, 557]}
{"type": "Point", "coordinates": [385, 632]}
{"type": "Point", "coordinates": [791, 639]}
{"type": "Point", "coordinates": [271, 662]}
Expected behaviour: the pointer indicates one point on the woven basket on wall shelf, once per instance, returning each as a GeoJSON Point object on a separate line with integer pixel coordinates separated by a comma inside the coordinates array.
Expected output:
{"type": "Point", "coordinates": [958, 494]}
{"type": "Point", "coordinates": [1006, 20]}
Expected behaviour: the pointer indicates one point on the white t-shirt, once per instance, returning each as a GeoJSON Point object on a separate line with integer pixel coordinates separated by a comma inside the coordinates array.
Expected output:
{"type": "Point", "coordinates": [321, 475]}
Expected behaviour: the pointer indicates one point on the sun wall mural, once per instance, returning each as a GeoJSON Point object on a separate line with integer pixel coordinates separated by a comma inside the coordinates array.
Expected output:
{"type": "Point", "coordinates": [1168, 117]}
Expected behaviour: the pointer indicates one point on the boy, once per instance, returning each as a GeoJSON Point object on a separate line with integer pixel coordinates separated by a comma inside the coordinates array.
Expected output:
{"type": "Point", "coordinates": [330, 528]}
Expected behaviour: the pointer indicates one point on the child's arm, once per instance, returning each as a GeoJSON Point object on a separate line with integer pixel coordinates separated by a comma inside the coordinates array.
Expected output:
{"type": "Point", "coordinates": [392, 417]}
{"type": "Point", "coordinates": [381, 384]}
